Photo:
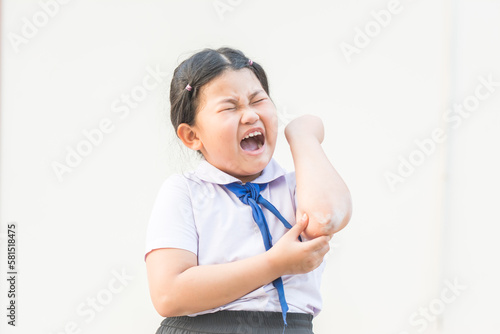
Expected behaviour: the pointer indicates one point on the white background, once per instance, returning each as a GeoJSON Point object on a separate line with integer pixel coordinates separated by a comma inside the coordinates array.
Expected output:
{"type": "Point", "coordinates": [404, 245]}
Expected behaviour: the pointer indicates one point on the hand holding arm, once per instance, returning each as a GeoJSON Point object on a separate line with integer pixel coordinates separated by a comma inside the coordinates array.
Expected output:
{"type": "Point", "coordinates": [178, 286]}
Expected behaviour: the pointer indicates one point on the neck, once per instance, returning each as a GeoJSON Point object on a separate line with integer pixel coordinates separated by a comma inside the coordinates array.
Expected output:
{"type": "Point", "coordinates": [242, 178]}
{"type": "Point", "coordinates": [248, 178]}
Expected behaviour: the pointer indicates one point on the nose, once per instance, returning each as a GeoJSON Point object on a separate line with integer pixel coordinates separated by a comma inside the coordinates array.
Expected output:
{"type": "Point", "coordinates": [249, 116]}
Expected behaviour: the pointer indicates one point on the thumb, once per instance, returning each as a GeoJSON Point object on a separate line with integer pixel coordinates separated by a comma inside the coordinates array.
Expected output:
{"type": "Point", "coordinates": [300, 226]}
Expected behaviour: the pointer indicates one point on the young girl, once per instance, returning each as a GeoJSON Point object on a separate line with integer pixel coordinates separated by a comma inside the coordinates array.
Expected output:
{"type": "Point", "coordinates": [237, 246]}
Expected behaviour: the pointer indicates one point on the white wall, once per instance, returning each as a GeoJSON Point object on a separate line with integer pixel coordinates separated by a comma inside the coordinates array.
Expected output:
{"type": "Point", "coordinates": [472, 218]}
{"type": "Point", "coordinates": [405, 243]}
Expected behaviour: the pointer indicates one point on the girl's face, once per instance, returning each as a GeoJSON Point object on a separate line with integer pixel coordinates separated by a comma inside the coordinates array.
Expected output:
{"type": "Point", "coordinates": [236, 124]}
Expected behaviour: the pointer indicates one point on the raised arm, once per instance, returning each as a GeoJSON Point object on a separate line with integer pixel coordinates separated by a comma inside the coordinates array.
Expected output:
{"type": "Point", "coordinates": [321, 192]}
{"type": "Point", "coordinates": [178, 286]}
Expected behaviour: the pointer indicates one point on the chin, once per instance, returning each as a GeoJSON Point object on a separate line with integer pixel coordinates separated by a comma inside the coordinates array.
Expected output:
{"type": "Point", "coordinates": [257, 166]}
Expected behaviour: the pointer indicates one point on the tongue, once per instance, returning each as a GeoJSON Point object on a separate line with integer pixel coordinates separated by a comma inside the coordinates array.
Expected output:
{"type": "Point", "coordinates": [249, 144]}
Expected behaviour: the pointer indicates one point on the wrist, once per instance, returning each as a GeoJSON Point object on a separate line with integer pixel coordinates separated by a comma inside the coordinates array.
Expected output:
{"type": "Point", "coordinates": [305, 128]}
{"type": "Point", "coordinates": [274, 263]}
{"type": "Point", "coordinates": [303, 143]}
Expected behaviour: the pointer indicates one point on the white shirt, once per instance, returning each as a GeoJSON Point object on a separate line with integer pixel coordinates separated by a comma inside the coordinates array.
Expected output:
{"type": "Point", "coordinates": [195, 213]}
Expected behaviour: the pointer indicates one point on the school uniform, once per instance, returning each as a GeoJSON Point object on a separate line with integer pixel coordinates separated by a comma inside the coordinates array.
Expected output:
{"type": "Point", "coordinates": [194, 211]}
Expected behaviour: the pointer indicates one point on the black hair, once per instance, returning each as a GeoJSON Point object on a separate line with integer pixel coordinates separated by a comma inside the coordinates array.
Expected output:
{"type": "Point", "coordinates": [200, 69]}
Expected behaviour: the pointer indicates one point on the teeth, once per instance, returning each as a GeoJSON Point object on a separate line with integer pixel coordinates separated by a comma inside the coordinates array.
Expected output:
{"type": "Point", "coordinates": [253, 134]}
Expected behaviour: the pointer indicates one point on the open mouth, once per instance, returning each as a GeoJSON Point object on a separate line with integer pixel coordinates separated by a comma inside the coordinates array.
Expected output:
{"type": "Point", "coordinates": [253, 141]}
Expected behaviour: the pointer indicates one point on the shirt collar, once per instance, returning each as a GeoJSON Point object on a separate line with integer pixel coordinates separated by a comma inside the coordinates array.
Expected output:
{"type": "Point", "coordinates": [209, 173]}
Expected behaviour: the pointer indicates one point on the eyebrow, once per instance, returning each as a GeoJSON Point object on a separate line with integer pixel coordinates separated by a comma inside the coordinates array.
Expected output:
{"type": "Point", "coordinates": [233, 100]}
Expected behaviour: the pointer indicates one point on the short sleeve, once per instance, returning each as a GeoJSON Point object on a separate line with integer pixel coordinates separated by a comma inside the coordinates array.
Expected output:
{"type": "Point", "coordinates": [171, 224]}
{"type": "Point", "coordinates": [292, 187]}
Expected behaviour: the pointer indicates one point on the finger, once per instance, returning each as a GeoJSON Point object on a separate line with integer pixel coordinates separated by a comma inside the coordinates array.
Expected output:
{"type": "Point", "coordinates": [324, 250]}
{"type": "Point", "coordinates": [318, 243]}
{"type": "Point", "coordinates": [299, 227]}
{"type": "Point", "coordinates": [302, 216]}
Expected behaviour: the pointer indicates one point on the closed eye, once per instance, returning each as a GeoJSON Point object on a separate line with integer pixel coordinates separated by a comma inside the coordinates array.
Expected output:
{"type": "Point", "coordinates": [228, 108]}
{"type": "Point", "coordinates": [259, 100]}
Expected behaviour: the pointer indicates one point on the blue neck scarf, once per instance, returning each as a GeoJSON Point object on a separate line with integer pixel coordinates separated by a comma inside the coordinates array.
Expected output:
{"type": "Point", "coordinates": [249, 194]}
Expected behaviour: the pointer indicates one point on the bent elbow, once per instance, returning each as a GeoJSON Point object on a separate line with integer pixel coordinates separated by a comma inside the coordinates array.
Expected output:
{"type": "Point", "coordinates": [341, 215]}
{"type": "Point", "coordinates": [166, 307]}
{"type": "Point", "coordinates": [342, 221]}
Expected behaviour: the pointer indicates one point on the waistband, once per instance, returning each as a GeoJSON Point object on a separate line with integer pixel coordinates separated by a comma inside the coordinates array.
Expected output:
{"type": "Point", "coordinates": [230, 322]}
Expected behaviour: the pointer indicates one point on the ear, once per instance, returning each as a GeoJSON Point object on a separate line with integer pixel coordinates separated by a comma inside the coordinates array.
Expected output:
{"type": "Point", "coordinates": [189, 136]}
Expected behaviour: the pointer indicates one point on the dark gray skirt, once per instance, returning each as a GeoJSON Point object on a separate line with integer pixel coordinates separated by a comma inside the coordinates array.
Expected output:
{"type": "Point", "coordinates": [232, 322]}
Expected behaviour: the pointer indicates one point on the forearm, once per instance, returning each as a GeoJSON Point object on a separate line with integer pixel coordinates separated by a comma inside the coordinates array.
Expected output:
{"type": "Point", "coordinates": [319, 187]}
{"type": "Point", "coordinates": [204, 287]}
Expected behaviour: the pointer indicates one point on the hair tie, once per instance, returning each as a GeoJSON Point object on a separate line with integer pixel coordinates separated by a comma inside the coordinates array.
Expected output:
{"type": "Point", "coordinates": [188, 88]}
{"type": "Point", "coordinates": [250, 62]}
